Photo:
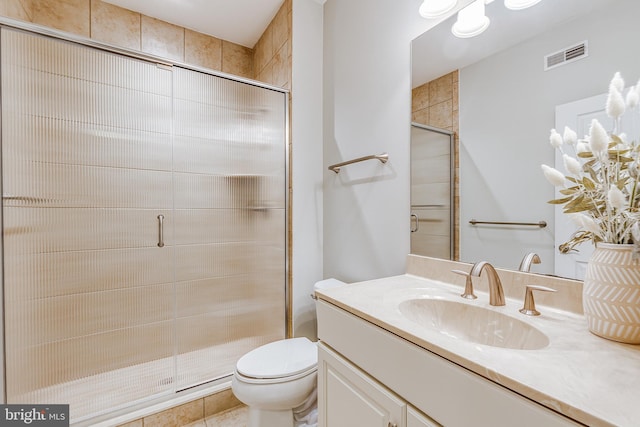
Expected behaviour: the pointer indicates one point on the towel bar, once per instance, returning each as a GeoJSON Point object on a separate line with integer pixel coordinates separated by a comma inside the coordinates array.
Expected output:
{"type": "Point", "coordinates": [384, 158]}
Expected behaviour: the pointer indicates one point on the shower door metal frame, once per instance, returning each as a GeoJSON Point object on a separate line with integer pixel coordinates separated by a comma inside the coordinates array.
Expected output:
{"type": "Point", "coordinates": [451, 135]}
{"type": "Point", "coordinates": [72, 38]}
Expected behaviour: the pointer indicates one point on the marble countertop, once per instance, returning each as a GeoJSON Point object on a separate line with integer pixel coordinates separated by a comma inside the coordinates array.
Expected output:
{"type": "Point", "coordinates": [589, 379]}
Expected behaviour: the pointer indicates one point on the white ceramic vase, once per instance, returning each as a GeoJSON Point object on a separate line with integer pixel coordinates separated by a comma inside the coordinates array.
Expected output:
{"type": "Point", "coordinates": [611, 293]}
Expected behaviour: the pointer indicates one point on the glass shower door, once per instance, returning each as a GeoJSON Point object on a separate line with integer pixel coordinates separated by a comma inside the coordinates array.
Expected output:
{"type": "Point", "coordinates": [230, 222]}
{"type": "Point", "coordinates": [86, 170]}
{"type": "Point", "coordinates": [431, 192]}
{"type": "Point", "coordinates": [144, 224]}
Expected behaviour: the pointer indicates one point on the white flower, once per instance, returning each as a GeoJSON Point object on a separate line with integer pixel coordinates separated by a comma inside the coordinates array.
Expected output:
{"type": "Point", "coordinates": [600, 191]}
{"type": "Point", "coordinates": [616, 198]}
{"type": "Point", "coordinates": [569, 136]}
{"type": "Point", "coordinates": [632, 98]}
{"type": "Point", "coordinates": [623, 137]}
{"type": "Point", "coordinates": [584, 221]}
{"type": "Point", "coordinates": [555, 139]}
{"type": "Point", "coordinates": [576, 218]}
{"type": "Point", "coordinates": [554, 176]}
{"type": "Point", "coordinates": [617, 82]}
{"type": "Point", "coordinates": [582, 147]}
{"type": "Point", "coordinates": [615, 103]}
{"type": "Point", "coordinates": [598, 138]}
{"type": "Point", "coordinates": [572, 165]}
{"type": "Point", "coordinates": [590, 225]}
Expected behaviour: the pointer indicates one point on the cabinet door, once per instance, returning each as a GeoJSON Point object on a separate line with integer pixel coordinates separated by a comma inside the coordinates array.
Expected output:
{"type": "Point", "coordinates": [348, 397]}
{"type": "Point", "coordinates": [416, 418]}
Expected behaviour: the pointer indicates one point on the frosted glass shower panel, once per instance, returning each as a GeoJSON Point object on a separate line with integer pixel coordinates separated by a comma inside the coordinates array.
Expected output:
{"type": "Point", "coordinates": [86, 169]}
{"type": "Point", "coordinates": [230, 222]}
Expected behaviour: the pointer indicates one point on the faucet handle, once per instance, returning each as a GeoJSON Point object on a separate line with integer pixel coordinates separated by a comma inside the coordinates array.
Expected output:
{"type": "Point", "coordinates": [468, 287]}
{"type": "Point", "coordinates": [529, 304]}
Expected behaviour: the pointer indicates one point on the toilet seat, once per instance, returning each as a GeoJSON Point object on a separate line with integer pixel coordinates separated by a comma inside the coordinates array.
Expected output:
{"type": "Point", "coordinates": [283, 360]}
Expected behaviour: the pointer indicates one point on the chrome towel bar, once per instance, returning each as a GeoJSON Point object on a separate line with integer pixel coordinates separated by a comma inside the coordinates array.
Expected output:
{"type": "Point", "coordinates": [541, 224]}
{"type": "Point", "coordinates": [384, 158]}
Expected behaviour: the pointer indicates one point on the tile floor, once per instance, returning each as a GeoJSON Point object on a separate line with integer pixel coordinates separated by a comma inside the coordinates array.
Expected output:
{"type": "Point", "coordinates": [234, 417]}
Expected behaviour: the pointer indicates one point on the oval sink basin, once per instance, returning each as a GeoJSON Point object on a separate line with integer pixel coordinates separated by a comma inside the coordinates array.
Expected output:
{"type": "Point", "coordinates": [474, 324]}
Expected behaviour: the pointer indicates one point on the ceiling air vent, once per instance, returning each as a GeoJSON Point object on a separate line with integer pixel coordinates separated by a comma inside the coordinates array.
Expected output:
{"type": "Point", "coordinates": [565, 56]}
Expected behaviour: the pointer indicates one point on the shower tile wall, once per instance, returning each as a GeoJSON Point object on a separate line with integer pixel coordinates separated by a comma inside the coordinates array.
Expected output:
{"type": "Point", "coordinates": [269, 61]}
{"type": "Point", "coordinates": [435, 103]}
{"type": "Point", "coordinates": [111, 24]}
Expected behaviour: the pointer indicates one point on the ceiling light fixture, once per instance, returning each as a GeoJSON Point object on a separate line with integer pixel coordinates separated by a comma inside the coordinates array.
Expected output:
{"type": "Point", "coordinates": [519, 4]}
{"type": "Point", "coordinates": [436, 8]}
{"type": "Point", "coordinates": [471, 20]}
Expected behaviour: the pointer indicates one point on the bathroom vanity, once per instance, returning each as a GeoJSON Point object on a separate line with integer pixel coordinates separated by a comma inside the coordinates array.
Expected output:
{"type": "Point", "coordinates": [409, 351]}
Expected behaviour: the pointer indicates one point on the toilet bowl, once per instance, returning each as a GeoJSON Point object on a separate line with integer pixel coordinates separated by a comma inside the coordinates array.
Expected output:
{"type": "Point", "coordinates": [277, 381]}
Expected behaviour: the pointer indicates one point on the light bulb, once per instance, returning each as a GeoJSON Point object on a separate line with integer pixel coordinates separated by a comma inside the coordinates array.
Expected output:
{"type": "Point", "coordinates": [519, 4]}
{"type": "Point", "coordinates": [471, 20]}
{"type": "Point", "coordinates": [435, 8]}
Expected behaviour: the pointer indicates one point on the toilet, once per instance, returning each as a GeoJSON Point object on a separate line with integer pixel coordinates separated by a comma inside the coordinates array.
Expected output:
{"type": "Point", "coordinates": [277, 381]}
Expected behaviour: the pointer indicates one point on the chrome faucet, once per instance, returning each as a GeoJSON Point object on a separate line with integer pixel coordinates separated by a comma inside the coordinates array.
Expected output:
{"type": "Point", "coordinates": [496, 294]}
{"type": "Point", "coordinates": [530, 258]}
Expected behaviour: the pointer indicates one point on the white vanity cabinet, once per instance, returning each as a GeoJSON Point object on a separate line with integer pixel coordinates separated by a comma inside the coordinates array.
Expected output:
{"type": "Point", "coordinates": [350, 397]}
{"type": "Point", "coordinates": [367, 375]}
{"type": "Point", "coordinates": [417, 419]}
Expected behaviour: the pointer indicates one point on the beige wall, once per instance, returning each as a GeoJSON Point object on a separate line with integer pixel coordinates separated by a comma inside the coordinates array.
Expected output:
{"type": "Point", "coordinates": [272, 53]}
{"type": "Point", "coordinates": [435, 103]}
{"type": "Point", "coordinates": [269, 61]}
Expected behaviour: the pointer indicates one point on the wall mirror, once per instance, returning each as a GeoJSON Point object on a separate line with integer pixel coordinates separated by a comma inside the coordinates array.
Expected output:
{"type": "Point", "coordinates": [506, 105]}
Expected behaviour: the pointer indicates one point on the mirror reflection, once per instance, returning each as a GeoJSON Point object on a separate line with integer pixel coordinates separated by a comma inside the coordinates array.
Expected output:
{"type": "Point", "coordinates": [498, 92]}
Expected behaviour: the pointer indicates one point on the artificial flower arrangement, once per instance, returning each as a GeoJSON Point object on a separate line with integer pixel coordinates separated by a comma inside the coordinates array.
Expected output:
{"type": "Point", "coordinates": [601, 191]}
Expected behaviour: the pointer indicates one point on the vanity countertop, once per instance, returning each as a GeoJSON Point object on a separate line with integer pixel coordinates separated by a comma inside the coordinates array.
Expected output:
{"type": "Point", "coordinates": [589, 379]}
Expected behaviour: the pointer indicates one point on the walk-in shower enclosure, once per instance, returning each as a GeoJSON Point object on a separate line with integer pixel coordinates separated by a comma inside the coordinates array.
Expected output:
{"type": "Point", "coordinates": [144, 223]}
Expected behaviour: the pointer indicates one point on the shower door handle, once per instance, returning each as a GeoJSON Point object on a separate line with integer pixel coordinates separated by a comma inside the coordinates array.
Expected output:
{"type": "Point", "coordinates": [414, 220]}
{"type": "Point", "coordinates": [160, 231]}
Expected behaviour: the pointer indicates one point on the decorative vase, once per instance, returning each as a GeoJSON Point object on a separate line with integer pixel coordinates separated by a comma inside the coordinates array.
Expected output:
{"type": "Point", "coordinates": [611, 293]}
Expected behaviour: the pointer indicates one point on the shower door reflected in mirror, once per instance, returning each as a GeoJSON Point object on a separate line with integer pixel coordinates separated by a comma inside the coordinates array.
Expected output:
{"type": "Point", "coordinates": [431, 192]}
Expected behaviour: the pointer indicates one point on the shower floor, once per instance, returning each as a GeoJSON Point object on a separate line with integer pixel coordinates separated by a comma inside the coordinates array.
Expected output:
{"type": "Point", "coordinates": [109, 391]}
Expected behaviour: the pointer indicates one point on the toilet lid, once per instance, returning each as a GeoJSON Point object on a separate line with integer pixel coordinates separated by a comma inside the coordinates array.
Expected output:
{"type": "Point", "coordinates": [279, 359]}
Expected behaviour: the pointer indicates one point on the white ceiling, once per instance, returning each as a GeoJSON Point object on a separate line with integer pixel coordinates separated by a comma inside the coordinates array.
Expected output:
{"type": "Point", "coordinates": [438, 52]}
{"type": "Point", "coordinates": [238, 21]}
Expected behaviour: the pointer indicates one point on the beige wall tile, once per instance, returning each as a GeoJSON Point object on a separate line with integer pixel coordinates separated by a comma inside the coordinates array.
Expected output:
{"type": "Point", "coordinates": [178, 416]}
{"type": "Point", "coordinates": [71, 16]}
{"type": "Point", "coordinates": [280, 67]}
{"type": "Point", "coordinates": [136, 423]}
{"type": "Point", "coordinates": [441, 115]}
{"type": "Point", "coordinates": [263, 50]}
{"type": "Point", "coordinates": [454, 96]}
{"type": "Point", "coordinates": [15, 9]}
{"type": "Point", "coordinates": [202, 50]}
{"type": "Point", "coordinates": [440, 89]}
{"type": "Point", "coordinates": [280, 29]}
{"type": "Point", "coordinates": [115, 25]}
{"type": "Point", "coordinates": [162, 39]}
{"type": "Point", "coordinates": [220, 402]}
{"type": "Point", "coordinates": [421, 116]}
{"type": "Point", "coordinates": [420, 97]}
{"type": "Point", "coordinates": [237, 59]}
